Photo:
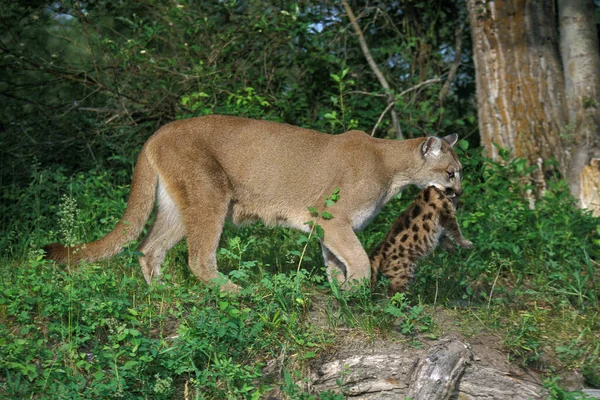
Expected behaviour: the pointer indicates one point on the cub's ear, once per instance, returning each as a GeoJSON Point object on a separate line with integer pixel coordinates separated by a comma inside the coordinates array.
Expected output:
{"type": "Point", "coordinates": [451, 139]}
{"type": "Point", "coordinates": [431, 147]}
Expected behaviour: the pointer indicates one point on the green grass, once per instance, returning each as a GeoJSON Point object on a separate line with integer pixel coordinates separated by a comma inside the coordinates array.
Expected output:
{"type": "Point", "coordinates": [98, 330]}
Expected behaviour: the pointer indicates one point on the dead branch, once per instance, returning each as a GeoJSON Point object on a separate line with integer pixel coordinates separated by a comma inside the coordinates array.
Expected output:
{"type": "Point", "coordinates": [455, 63]}
{"type": "Point", "coordinates": [390, 105]}
{"type": "Point", "coordinates": [367, 53]}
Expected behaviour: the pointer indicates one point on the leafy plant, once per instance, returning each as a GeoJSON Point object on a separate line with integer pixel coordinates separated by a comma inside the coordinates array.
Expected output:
{"type": "Point", "coordinates": [523, 340]}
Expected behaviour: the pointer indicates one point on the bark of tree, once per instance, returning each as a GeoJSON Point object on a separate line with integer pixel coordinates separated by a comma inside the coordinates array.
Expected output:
{"type": "Point", "coordinates": [581, 65]}
{"type": "Point", "coordinates": [520, 86]}
{"type": "Point", "coordinates": [538, 92]}
{"type": "Point", "coordinates": [435, 375]}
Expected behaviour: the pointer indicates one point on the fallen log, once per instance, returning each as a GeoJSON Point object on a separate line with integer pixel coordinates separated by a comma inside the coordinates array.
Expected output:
{"type": "Point", "coordinates": [436, 374]}
{"type": "Point", "coordinates": [396, 371]}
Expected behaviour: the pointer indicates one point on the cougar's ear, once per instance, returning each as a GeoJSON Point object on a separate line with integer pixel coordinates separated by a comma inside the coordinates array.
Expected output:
{"type": "Point", "coordinates": [431, 147]}
{"type": "Point", "coordinates": [451, 139]}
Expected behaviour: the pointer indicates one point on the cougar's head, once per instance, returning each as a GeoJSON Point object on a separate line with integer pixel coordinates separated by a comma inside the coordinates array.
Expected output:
{"type": "Point", "coordinates": [442, 168]}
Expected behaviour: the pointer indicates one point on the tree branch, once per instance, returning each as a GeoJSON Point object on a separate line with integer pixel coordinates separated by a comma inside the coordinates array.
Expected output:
{"type": "Point", "coordinates": [455, 63]}
{"type": "Point", "coordinates": [418, 85]}
{"type": "Point", "coordinates": [381, 117]}
{"type": "Point", "coordinates": [367, 53]}
{"type": "Point", "coordinates": [390, 105]}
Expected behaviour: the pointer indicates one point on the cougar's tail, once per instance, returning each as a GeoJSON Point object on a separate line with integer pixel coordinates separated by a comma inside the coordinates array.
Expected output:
{"type": "Point", "coordinates": [139, 206]}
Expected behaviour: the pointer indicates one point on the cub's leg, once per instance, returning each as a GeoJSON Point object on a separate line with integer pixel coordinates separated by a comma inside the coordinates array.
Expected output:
{"type": "Point", "coordinates": [166, 231]}
{"type": "Point", "coordinates": [452, 230]}
{"type": "Point", "coordinates": [447, 244]}
{"type": "Point", "coordinates": [400, 275]}
{"type": "Point", "coordinates": [341, 241]}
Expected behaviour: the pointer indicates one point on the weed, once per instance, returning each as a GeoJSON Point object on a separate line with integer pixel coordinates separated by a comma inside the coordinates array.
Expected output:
{"type": "Point", "coordinates": [556, 392]}
{"type": "Point", "coordinates": [412, 319]}
{"type": "Point", "coordinates": [523, 339]}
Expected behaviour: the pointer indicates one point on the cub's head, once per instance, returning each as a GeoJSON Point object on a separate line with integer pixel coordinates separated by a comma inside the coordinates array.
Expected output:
{"type": "Point", "coordinates": [441, 167]}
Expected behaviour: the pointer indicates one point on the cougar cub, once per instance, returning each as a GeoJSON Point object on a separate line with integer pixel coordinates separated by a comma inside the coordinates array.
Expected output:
{"type": "Point", "coordinates": [417, 231]}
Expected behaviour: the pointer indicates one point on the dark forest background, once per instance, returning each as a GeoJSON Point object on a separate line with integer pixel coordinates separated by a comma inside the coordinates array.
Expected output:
{"type": "Point", "coordinates": [85, 83]}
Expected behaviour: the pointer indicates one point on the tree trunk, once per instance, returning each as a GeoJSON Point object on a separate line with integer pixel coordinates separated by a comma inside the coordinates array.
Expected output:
{"type": "Point", "coordinates": [536, 96]}
{"type": "Point", "coordinates": [581, 65]}
{"type": "Point", "coordinates": [520, 86]}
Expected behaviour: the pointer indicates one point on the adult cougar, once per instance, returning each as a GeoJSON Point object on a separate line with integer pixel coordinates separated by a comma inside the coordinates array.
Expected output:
{"type": "Point", "coordinates": [204, 170]}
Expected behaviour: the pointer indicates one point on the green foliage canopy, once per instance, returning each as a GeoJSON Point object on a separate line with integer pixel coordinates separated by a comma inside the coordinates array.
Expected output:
{"type": "Point", "coordinates": [85, 83]}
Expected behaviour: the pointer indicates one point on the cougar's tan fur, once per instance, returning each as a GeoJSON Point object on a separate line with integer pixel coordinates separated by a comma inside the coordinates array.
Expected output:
{"type": "Point", "coordinates": [204, 170]}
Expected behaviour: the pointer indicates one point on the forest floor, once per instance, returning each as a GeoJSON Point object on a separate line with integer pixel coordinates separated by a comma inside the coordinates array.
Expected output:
{"type": "Point", "coordinates": [380, 352]}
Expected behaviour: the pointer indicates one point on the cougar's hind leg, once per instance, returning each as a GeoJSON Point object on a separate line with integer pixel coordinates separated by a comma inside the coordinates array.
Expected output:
{"type": "Point", "coordinates": [204, 199]}
{"type": "Point", "coordinates": [204, 223]}
{"type": "Point", "coordinates": [166, 231]}
{"type": "Point", "coordinates": [200, 189]}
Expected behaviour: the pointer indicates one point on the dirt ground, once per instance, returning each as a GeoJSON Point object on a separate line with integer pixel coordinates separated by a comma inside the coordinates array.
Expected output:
{"type": "Point", "coordinates": [378, 366]}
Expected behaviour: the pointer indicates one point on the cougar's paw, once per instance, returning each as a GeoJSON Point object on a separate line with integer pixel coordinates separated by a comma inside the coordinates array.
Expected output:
{"type": "Point", "coordinates": [224, 284]}
{"type": "Point", "coordinates": [467, 244]}
{"type": "Point", "coordinates": [230, 287]}
{"type": "Point", "coordinates": [356, 285]}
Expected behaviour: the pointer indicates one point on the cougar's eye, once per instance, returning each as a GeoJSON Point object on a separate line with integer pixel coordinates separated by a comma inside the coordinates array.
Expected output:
{"type": "Point", "coordinates": [450, 174]}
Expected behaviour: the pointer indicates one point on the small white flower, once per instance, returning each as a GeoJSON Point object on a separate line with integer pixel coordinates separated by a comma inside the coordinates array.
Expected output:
{"type": "Point", "coordinates": [142, 51]}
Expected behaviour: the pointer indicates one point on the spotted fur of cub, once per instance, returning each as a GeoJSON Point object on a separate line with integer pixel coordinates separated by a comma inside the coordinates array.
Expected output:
{"type": "Point", "coordinates": [429, 220]}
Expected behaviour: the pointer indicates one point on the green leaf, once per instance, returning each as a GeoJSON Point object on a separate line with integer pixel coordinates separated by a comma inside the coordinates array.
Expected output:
{"type": "Point", "coordinates": [319, 232]}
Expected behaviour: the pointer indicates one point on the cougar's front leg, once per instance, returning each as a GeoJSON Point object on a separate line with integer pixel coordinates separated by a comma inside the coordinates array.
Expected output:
{"type": "Point", "coordinates": [335, 268]}
{"type": "Point", "coordinates": [342, 250]}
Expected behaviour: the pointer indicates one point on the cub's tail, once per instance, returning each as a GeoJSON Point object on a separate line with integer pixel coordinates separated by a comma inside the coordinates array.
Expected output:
{"type": "Point", "coordinates": [139, 206]}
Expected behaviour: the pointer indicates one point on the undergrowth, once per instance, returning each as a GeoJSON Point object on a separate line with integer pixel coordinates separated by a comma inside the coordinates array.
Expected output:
{"type": "Point", "coordinates": [97, 330]}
